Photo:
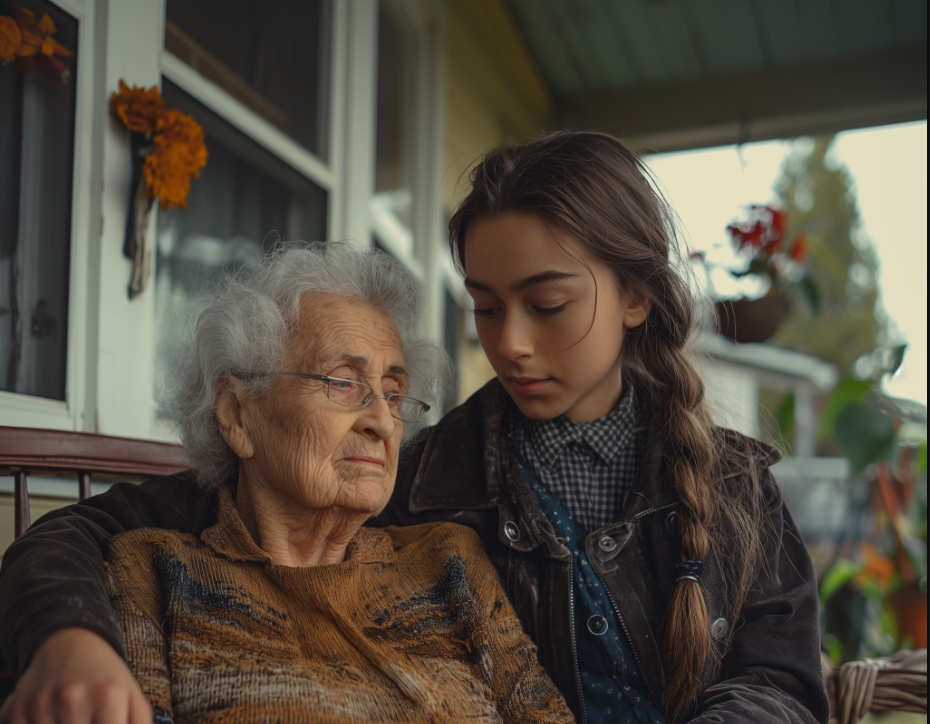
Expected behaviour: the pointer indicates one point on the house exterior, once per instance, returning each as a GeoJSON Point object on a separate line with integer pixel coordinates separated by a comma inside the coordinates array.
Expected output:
{"type": "Point", "coordinates": [354, 119]}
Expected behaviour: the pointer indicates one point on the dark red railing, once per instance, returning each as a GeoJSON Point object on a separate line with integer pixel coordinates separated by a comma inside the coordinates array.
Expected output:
{"type": "Point", "coordinates": [24, 451]}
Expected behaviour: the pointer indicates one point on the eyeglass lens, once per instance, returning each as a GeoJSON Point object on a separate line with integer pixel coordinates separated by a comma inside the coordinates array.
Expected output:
{"type": "Point", "coordinates": [355, 394]}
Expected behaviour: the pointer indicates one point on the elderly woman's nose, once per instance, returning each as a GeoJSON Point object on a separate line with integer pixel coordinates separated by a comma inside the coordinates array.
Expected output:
{"type": "Point", "coordinates": [376, 420]}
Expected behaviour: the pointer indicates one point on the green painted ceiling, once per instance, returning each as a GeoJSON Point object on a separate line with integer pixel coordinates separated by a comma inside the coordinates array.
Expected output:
{"type": "Point", "coordinates": [853, 62]}
{"type": "Point", "coordinates": [586, 45]}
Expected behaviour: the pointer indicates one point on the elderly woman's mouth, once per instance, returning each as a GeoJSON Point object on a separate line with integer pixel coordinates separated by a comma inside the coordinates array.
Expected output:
{"type": "Point", "coordinates": [374, 462]}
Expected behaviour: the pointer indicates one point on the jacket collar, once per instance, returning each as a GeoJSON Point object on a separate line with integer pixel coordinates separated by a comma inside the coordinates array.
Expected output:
{"type": "Point", "coordinates": [463, 452]}
{"type": "Point", "coordinates": [465, 466]}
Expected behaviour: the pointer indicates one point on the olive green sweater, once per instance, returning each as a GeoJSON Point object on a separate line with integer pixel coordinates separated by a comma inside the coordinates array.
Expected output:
{"type": "Point", "coordinates": [412, 627]}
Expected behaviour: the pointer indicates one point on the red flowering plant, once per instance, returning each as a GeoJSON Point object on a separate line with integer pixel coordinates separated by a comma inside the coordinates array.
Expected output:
{"type": "Point", "coordinates": [763, 251]}
{"type": "Point", "coordinates": [28, 42]}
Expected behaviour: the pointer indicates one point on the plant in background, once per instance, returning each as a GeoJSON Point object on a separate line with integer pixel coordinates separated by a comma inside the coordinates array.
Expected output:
{"type": "Point", "coordinates": [168, 151]}
{"type": "Point", "coordinates": [885, 439]}
{"type": "Point", "coordinates": [761, 241]}
{"type": "Point", "coordinates": [30, 43]}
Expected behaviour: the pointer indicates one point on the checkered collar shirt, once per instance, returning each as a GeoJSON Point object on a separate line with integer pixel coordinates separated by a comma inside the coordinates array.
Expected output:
{"type": "Point", "coordinates": [589, 467]}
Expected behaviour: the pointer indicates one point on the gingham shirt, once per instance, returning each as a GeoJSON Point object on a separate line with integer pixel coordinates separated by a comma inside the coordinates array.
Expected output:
{"type": "Point", "coordinates": [589, 467]}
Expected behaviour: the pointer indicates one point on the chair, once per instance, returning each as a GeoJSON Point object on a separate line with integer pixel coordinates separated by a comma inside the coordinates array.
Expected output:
{"type": "Point", "coordinates": [896, 683]}
{"type": "Point", "coordinates": [83, 456]}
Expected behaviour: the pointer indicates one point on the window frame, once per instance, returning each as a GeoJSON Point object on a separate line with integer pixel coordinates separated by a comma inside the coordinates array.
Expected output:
{"type": "Point", "coordinates": [22, 410]}
{"type": "Point", "coordinates": [110, 356]}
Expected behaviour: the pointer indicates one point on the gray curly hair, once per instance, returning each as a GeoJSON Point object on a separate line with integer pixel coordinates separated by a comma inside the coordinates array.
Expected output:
{"type": "Point", "coordinates": [241, 329]}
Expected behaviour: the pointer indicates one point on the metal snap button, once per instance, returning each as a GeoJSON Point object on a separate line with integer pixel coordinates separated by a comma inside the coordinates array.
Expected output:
{"type": "Point", "coordinates": [607, 544]}
{"type": "Point", "coordinates": [720, 628]}
{"type": "Point", "coordinates": [598, 625]}
{"type": "Point", "coordinates": [511, 531]}
{"type": "Point", "coordinates": [671, 523]}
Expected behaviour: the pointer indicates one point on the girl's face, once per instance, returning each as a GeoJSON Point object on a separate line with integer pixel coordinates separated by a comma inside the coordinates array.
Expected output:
{"type": "Point", "coordinates": [550, 316]}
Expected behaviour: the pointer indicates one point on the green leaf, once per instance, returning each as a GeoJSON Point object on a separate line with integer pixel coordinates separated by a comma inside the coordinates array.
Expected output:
{"type": "Point", "coordinates": [784, 417]}
{"type": "Point", "coordinates": [866, 436]}
{"type": "Point", "coordinates": [922, 459]}
{"type": "Point", "coordinates": [839, 575]}
{"type": "Point", "coordinates": [809, 293]}
{"type": "Point", "coordinates": [849, 392]}
{"type": "Point", "coordinates": [896, 358]}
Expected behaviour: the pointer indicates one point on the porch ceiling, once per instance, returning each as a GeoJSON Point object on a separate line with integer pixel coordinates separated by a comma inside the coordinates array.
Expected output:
{"type": "Point", "coordinates": [673, 74]}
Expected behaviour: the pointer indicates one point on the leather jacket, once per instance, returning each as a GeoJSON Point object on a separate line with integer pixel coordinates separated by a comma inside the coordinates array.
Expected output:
{"type": "Point", "coordinates": [768, 670]}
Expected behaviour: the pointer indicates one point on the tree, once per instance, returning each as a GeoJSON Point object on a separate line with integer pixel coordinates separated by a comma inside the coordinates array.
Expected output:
{"type": "Point", "coordinates": [819, 195]}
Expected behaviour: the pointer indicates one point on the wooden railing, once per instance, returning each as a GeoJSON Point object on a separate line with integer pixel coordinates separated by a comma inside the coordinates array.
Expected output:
{"type": "Point", "coordinates": [25, 451]}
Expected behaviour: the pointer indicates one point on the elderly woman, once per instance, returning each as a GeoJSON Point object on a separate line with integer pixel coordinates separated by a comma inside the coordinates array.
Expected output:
{"type": "Point", "coordinates": [292, 404]}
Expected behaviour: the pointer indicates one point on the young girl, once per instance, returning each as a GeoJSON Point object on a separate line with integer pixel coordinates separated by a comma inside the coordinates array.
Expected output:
{"type": "Point", "coordinates": [647, 553]}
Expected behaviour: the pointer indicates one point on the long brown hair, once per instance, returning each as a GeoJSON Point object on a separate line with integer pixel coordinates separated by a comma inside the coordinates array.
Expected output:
{"type": "Point", "coordinates": [598, 190]}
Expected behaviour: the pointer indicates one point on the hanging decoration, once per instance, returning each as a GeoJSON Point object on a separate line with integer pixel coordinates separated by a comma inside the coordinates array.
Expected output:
{"type": "Point", "coordinates": [167, 151]}
{"type": "Point", "coordinates": [28, 43]}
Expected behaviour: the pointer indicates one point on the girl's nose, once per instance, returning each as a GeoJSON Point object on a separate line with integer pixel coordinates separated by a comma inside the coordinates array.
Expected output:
{"type": "Point", "coordinates": [515, 340]}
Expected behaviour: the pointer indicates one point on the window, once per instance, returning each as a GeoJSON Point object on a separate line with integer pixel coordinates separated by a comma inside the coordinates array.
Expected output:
{"type": "Point", "coordinates": [393, 203]}
{"type": "Point", "coordinates": [245, 200]}
{"type": "Point", "coordinates": [271, 57]}
{"type": "Point", "coordinates": [37, 120]}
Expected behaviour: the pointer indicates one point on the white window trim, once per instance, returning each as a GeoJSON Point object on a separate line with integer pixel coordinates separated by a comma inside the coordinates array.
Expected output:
{"type": "Point", "coordinates": [20, 410]}
{"type": "Point", "coordinates": [110, 361]}
{"type": "Point", "coordinates": [246, 120]}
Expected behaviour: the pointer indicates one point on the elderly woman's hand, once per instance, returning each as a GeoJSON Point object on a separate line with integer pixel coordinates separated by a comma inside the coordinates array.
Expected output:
{"type": "Point", "coordinates": [76, 677]}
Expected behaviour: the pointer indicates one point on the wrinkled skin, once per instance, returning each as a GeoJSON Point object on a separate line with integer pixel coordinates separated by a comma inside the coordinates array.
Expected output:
{"type": "Point", "coordinates": [312, 472]}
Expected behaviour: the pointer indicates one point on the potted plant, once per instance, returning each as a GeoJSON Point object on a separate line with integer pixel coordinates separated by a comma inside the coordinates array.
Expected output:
{"type": "Point", "coordinates": [760, 241]}
{"type": "Point", "coordinates": [885, 439]}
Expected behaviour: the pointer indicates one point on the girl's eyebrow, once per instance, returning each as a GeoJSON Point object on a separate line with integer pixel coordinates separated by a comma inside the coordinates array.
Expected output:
{"type": "Point", "coordinates": [541, 278]}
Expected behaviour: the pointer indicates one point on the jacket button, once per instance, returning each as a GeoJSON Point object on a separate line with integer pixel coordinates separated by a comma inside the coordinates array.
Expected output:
{"type": "Point", "coordinates": [598, 625]}
{"type": "Point", "coordinates": [671, 523]}
{"type": "Point", "coordinates": [607, 544]}
{"type": "Point", "coordinates": [511, 531]}
{"type": "Point", "coordinates": [719, 629]}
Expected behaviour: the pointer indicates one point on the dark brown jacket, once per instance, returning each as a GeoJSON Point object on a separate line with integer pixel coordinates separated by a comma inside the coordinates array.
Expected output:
{"type": "Point", "coordinates": [459, 471]}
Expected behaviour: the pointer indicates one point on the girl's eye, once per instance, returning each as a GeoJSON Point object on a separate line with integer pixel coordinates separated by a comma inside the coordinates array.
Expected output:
{"type": "Point", "coordinates": [549, 311]}
{"type": "Point", "coordinates": [487, 313]}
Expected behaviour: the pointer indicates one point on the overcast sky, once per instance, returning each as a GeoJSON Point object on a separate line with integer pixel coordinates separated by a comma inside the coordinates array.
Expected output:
{"type": "Point", "coordinates": [889, 164]}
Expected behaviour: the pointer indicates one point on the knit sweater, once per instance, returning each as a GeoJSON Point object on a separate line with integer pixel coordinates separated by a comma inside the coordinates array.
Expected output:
{"type": "Point", "coordinates": [412, 627]}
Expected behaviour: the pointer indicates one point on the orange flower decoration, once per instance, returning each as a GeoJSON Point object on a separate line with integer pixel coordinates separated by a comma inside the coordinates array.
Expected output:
{"type": "Point", "coordinates": [138, 108]}
{"type": "Point", "coordinates": [11, 39]}
{"type": "Point", "coordinates": [38, 46]}
{"type": "Point", "coordinates": [177, 152]}
{"type": "Point", "coordinates": [179, 155]}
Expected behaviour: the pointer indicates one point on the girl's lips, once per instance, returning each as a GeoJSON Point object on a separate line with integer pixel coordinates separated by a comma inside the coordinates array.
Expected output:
{"type": "Point", "coordinates": [528, 385]}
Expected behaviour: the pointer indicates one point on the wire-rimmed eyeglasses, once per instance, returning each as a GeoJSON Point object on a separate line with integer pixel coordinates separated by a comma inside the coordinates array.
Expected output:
{"type": "Point", "coordinates": [355, 394]}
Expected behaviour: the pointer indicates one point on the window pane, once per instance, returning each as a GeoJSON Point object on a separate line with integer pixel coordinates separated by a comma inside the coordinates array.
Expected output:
{"type": "Point", "coordinates": [272, 57]}
{"type": "Point", "coordinates": [244, 201]}
{"type": "Point", "coordinates": [36, 156]}
{"type": "Point", "coordinates": [392, 206]}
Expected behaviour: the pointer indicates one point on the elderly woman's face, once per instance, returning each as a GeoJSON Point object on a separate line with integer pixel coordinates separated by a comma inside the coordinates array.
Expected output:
{"type": "Point", "coordinates": [307, 449]}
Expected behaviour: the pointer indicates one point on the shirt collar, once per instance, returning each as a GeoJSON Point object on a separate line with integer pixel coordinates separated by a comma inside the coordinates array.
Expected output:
{"type": "Point", "coordinates": [607, 436]}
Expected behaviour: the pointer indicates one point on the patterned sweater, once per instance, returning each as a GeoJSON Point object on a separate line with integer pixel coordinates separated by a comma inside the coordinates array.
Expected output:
{"type": "Point", "coordinates": [412, 627]}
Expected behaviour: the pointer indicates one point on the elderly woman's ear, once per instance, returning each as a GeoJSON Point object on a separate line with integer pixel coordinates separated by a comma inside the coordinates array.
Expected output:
{"type": "Point", "coordinates": [229, 393]}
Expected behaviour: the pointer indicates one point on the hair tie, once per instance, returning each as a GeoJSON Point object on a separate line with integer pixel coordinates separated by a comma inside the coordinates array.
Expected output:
{"type": "Point", "coordinates": [689, 570]}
